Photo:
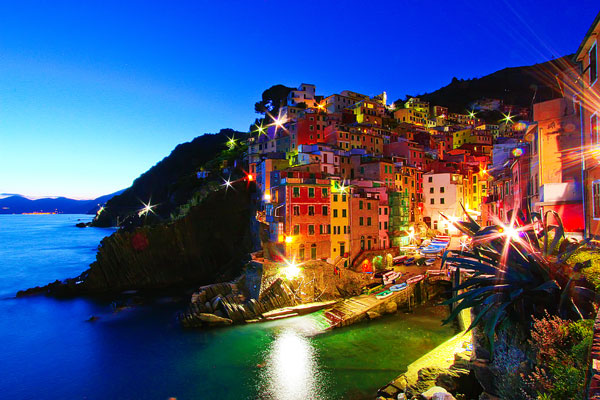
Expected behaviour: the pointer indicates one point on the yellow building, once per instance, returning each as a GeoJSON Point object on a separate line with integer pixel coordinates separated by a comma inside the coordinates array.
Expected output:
{"type": "Point", "coordinates": [411, 116]}
{"type": "Point", "coordinates": [340, 220]}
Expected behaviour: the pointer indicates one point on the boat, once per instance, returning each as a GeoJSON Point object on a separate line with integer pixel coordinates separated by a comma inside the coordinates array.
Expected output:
{"type": "Point", "coordinates": [391, 277]}
{"type": "Point", "coordinates": [443, 237]}
{"type": "Point", "coordinates": [384, 294]}
{"type": "Point", "coordinates": [399, 260]}
{"type": "Point", "coordinates": [415, 279]}
{"type": "Point", "coordinates": [372, 288]}
{"type": "Point", "coordinates": [398, 287]}
{"type": "Point", "coordinates": [430, 250]}
{"type": "Point", "coordinates": [380, 274]}
{"type": "Point", "coordinates": [409, 261]}
{"type": "Point", "coordinates": [430, 261]}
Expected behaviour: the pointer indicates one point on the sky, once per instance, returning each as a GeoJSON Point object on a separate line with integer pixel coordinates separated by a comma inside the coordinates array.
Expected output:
{"type": "Point", "coordinates": [92, 94]}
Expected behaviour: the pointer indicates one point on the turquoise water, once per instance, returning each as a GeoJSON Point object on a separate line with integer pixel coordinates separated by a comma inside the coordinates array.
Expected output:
{"type": "Point", "coordinates": [50, 351]}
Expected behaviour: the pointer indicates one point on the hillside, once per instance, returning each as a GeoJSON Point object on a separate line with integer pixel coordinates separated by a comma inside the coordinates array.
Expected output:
{"type": "Point", "coordinates": [172, 181]}
{"type": "Point", "coordinates": [16, 204]}
{"type": "Point", "coordinates": [515, 86]}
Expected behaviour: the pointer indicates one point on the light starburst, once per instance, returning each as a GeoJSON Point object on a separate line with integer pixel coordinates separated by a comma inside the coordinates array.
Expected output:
{"type": "Point", "coordinates": [148, 208]}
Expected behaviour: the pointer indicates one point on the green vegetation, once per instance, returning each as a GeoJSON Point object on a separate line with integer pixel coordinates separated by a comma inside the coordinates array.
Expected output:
{"type": "Point", "coordinates": [518, 275]}
{"type": "Point", "coordinates": [172, 182]}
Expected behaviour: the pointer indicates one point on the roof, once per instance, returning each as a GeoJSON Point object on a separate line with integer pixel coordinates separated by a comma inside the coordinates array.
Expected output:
{"type": "Point", "coordinates": [586, 37]}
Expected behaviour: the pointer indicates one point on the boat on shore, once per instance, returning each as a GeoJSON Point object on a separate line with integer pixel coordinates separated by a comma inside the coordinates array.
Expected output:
{"type": "Point", "coordinates": [398, 287]}
{"type": "Point", "coordinates": [415, 279]}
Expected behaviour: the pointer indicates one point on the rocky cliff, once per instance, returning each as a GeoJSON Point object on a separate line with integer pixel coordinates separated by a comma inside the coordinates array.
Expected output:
{"type": "Point", "coordinates": [210, 244]}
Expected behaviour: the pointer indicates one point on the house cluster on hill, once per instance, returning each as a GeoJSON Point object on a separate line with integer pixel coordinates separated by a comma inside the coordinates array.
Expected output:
{"type": "Point", "coordinates": [347, 173]}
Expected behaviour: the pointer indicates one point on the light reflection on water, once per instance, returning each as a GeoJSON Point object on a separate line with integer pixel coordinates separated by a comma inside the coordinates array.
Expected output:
{"type": "Point", "coordinates": [291, 370]}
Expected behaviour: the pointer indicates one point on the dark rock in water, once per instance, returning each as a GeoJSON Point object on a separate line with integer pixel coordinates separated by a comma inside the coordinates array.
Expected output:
{"type": "Point", "coordinates": [211, 243]}
{"type": "Point", "coordinates": [81, 225]}
{"type": "Point", "coordinates": [92, 318]}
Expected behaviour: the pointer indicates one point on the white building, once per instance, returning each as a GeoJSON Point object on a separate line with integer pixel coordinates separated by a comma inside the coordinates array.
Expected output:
{"type": "Point", "coordinates": [442, 193]}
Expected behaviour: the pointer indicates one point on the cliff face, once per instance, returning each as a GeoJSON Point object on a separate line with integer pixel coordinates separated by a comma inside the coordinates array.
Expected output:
{"type": "Point", "coordinates": [210, 244]}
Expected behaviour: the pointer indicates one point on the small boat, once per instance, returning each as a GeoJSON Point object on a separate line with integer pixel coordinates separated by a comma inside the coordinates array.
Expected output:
{"type": "Point", "coordinates": [391, 277]}
{"type": "Point", "coordinates": [415, 279]}
{"type": "Point", "coordinates": [399, 287]}
{"type": "Point", "coordinates": [399, 260]}
{"type": "Point", "coordinates": [384, 294]}
{"type": "Point", "coordinates": [409, 261]}
{"type": "Point", "coordinates": [372, 288]}
{"type": "Point", "coordinates": [380, 274]}
{"type": "Point", "coordinates": [443, 237]}
{"type": "Point", "coordinates": [430, 250]}
{"type": "Point", "coordinates": [429, 261]}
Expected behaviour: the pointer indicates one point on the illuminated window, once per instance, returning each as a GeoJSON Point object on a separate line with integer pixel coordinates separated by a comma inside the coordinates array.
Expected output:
{"type": "Point", "coordinates": [595, 129]}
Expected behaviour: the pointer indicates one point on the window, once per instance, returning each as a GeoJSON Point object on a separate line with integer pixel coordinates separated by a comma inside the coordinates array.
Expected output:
{"type": "Point", "coordinates": [442, 200]}
{"type": "Point", "coordinates": [368, 221]}
{"type": "Point", "coordinates": [360, 204]}
{"type": "Point", "coordinates": [325, 210]}
{"type": "Point", "coordinates": [441, 190]}
{"type": "Point", "coordinates": [296, 192]}
{"type": "Point", "coordinates": [343, 213]}
{"type": "Point", "coordinates": [593, 64]}
{"type": "Point", "coordinates": [311, 229]}
{"type": "Point", "coordinates": [335, 213]}
{"type": "Point", "coordinates": [311, 210]}
{"type": "Point", "coordinates": [324, 192]}
{"type": "Point", "coordinates": [296, 210]}
{"type": "Point", "coordinates": [385, 211]}
{"type": "Point", "coordinates": [430, 179]}
{"type": "Point", "coordinates": [311, 192]}
{"type": "Point", "coordinates": [296, 229]}
{"type": "Point", "coordinates": [361, 221]}
{"type": "Point", "coordinates": [335, 197]}
{"type": "Point", "coordinates": [368, 205]}
{"type": "Point", "coordinates": [430, 190]}
{"type": "Point", "coordinates": [432, 201]}
{"type": "Point", "coordinates": [596, 199]}
{"type": "Point", "coordinates": [595, 129]}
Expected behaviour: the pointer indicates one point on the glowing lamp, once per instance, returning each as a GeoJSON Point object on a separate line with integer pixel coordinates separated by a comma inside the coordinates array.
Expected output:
{"type": "Point", "coordinates": [289, 239]}
{"type": "Point", "coordinates": [250, 177]}
{"type": "Point", "coordinates": [517, 152]}
{"type": "Point", "coordinates": [267, 197]}
{"type": "Point", "coordinates": [291, 271]}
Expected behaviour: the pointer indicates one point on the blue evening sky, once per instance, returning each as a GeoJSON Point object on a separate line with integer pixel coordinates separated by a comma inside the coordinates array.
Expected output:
{"type": "Point", "coordinates": [92, 94]}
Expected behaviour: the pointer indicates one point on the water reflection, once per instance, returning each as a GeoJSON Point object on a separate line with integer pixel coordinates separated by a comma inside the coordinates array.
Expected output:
{"type": "Point", "coordinates": [291, 368]}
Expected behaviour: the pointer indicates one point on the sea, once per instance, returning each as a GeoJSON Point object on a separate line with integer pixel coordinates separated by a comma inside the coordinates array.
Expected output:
{"type": "Point", "coordinates": [49, 348]}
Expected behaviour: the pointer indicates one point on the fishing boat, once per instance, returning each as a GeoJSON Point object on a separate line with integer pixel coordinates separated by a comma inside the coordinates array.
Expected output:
{"type": "Point", "coordinates": [443, 237]}
{"type": "Point", "coordinates": [398, 287]}
{"type": "Point", "coordinates": [430, 261]}
{"type": "Point", "coordinates": [415, 279]}
{"type": "Point", "coordinates": [384, 294]}
{"type": "Point", "coordinates": [431, 250]}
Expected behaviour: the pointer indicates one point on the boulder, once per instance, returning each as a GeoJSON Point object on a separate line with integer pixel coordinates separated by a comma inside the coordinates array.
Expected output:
{"type": "Point", "coordinates": [436, 391]}
{"type": "Point", "coordinates": [391, 307]}
{"type": "Point", "coordinates": [213, 319]}
{"type": "Point", "coordinates": [373, 314]}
